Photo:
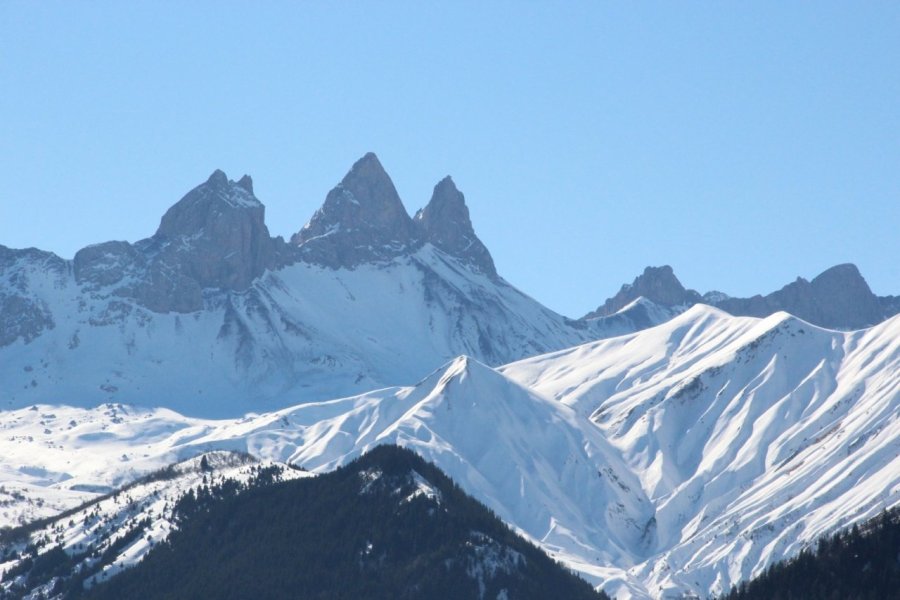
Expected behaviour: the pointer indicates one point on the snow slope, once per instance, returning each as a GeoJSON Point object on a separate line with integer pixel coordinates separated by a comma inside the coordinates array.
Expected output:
{"type": "Point", "coordinates": [115, 531]}
{"type": "Point", "coordinates": [677, 460]}
{"type": "Point", "coordinates": [531, 460]}
{"type": "Point", "coordinates": [300, 333]}
{"type": "Point", "coordinates": [751, 437]}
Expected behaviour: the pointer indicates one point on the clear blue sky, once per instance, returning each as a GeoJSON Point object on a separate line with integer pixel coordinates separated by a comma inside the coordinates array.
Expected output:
{"type": "Point", "coordinates": [743, 143]}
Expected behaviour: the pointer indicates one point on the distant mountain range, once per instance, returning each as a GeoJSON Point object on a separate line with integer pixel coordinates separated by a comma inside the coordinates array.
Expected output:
{"type": "Point", "coordinates": [838, 298]}
{"type": "Point", "coordinates": [669, 444]}
{"type": "Point", "coordinates": [213, 316]}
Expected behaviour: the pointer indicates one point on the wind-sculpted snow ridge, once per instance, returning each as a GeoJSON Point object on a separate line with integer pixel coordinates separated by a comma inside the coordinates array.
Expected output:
{"type": "Point", "coordinates": [751, 437]}
{"type": "Point", "coordinates": [678, 460]}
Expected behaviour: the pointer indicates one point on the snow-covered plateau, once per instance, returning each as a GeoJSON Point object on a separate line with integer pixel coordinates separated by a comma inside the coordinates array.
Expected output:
{"type": "Point", "coordinates": [673, 461]}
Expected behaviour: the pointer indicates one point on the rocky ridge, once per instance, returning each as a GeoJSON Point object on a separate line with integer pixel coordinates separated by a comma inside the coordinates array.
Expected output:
{"type": "Point", "coordinates": [838, 298]}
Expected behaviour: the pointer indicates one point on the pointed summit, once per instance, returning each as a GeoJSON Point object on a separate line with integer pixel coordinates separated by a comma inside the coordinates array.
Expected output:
{"type": "Point", "coordinates": [218, 178]}
{"type": "Point", "coordinates": [246, 182]}
{"type": "Point", "coordinates": [214, 237]}
{"type": "Point", "coordinates": [445, 223]}
{"type": "Point", "coordinates": [362, 220]}
{"type": "Point", "coordinates": [657, 284]}
{"type": "Point", "coordinates": [208, 202]}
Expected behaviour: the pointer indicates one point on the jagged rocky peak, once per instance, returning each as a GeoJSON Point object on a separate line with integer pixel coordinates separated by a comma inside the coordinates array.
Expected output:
{"type": "Point", "coordinates": [215, 237]}
{"type": "Point", "coordinates": [211, 203]}
{"type": "Point", "coordinates": [223, 239]}
{"type": "Point", "coordinates": [362, 220]}
{"type": "Point", "coordinates": [658, 284]}
{"type": "Point", "coordinates": [445, 223]}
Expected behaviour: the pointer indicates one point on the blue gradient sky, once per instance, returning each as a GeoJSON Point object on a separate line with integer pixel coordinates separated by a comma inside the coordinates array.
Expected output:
{"type": "Point", "coordinates": [744, 144]}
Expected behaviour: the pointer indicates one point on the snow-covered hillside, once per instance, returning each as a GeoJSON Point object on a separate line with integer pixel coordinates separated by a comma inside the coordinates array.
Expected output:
{"type": "Point", "coordinates": [680, 459]}
{"type": "Point", "coordinates": [532, 460]}
{"type": "Point", "coordinates": [114, 531]}
{"type": "Point", "coordinates": [751, 437]}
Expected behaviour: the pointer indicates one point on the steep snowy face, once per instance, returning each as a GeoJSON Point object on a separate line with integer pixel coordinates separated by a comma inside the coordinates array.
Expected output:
{"type": "Point", "coordinates": [636, 316]}
{"type": "Point", "coordinates": [362, 221]}
{"type": "Point", "coordinates": [445, 223]}
{"type": "Point", "coordinates": [751, 437]}
{"type": "Point", "coordinates": [301, 333]}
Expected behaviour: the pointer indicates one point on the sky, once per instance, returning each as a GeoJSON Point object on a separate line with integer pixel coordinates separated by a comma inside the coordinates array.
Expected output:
{"type": "Point", "coordinates": [745, 144]}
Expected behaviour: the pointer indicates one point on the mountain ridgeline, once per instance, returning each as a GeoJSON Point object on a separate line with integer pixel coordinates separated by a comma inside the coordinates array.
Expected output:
{"type": "Point", "coordinates": [387, 525]}
{"type": "Point", "coordinates": [214, 316]}
{"type": "Point", "coordinates": [838, 298]}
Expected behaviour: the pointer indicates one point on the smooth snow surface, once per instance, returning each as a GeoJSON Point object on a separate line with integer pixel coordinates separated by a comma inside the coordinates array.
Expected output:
{"type": "Point", "coordinates": [677, 460]}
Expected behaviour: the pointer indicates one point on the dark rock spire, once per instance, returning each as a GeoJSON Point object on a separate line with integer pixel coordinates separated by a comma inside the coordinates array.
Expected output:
{"type": "Point", "coordinates": [445, 223]}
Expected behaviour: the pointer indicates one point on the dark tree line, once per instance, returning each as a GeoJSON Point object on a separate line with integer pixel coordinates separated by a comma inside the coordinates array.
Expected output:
{"type": "Point", "coordinates": [862, 563]}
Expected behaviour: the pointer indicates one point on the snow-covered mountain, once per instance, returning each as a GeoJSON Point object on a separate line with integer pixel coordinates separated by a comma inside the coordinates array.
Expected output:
{"type": "Point", "coordinates": [213, 316]}
{"type": "Point", "coordinates": [751, 437]}
{"type": "Point", "coordinates": [684, 451]}
{"type": "Point", "coordinates": [532, 460]}
{"type": "Point", "coordinates": [677, 460]}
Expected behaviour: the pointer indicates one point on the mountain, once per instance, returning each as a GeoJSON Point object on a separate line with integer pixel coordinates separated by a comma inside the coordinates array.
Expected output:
{"type": "Point", "coordinates": [661, 447]}
{"type": "Point", "coordinates": [838, 298]}
{"type": "Point", "coordinates": [657, 285]}
{"type": "Point", "coordinates": [212, 316]}
{"type": "Point", "coordinates": [750, 437]}
{"type": "Point", "coordinates": [223, 526]}
{"type": "Point", "coordinates": [55, 556]}
{"type": "Point", "coordinates": [362, 221]}
{"type": "Point", "coordinates": [531, 460]}
{"type": "Point", "coordinates": [681, 459]}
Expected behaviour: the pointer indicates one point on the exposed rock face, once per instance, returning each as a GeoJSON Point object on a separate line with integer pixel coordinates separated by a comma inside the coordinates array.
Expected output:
{"type": "Point", "coordinates": [445, 223]}
{"type": "Point", "coordinates": [105, 264]}
{"type": "Point", "coordinates": [214, 237]}
{"type": "Point", "coordinates": [217, 234]}
{"type": "Point", "coordinates": [23, 316]}
{"type": "Point", "coordinates": [838, 298]}
{"type": "Point", "coordinates": [657, 284]}
{"type": "Point", "coordinates": [363, 220]}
